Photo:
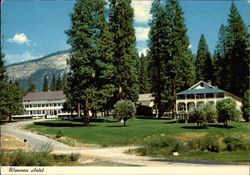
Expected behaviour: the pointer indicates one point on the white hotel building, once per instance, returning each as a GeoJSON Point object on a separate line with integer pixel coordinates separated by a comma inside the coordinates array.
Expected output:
{"type": "Point", "coordinates": [44, 104]}
{"type": "Point", "coordinates": [201, 93]}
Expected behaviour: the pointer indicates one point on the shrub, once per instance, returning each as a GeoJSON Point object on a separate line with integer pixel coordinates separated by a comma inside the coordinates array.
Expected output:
{"type": "Point", "coordinates": [59, 134]}
{"type": "Point", "coordinates": [124, 110]}
{"type": "Point", "coordinates": [211, 142]}
{"type": "Point", "coordinates": [246, 106]}
{"type": "Point", "coordinates": [236, 143]}
{"type": "Point", "coordinates": [227, 111]}
{"type": "Point", "coordinates": [203, 114]}
{"type": "Point", "coordinates": [162, 145]}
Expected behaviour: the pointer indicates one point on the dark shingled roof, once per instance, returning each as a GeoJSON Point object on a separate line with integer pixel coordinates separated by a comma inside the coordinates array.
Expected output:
{"type": "Point", "coordinates": [200, 91]}
{"type": "Point", "coordinates": [50, 95]}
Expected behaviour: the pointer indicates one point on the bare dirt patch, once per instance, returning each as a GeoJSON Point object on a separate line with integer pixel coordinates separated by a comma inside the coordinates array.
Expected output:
{"type": "Point", "coordinates": [10, 143]}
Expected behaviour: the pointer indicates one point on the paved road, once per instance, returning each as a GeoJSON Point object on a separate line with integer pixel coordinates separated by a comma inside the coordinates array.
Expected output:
{"type": "Point", "coordinates": [116, 154]}
{"type": "Point", "coordinates": [33, 140]}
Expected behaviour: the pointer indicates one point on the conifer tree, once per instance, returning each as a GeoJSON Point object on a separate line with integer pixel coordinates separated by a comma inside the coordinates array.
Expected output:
{"type": "Point", "coordinates": [171, 60]}
{"type": "Point", "coordinates": [203, 63]}
{"type": "Point", "coordinates": [31, 86]}
{"type": "Point", "coordinates": [232, 55]}
{"type": "Point", "coordinates": [11, 95]}
{"type": "Point", "coordinates": [91, 68]}
{"type": "Point", "coordinates": [45, 84]}
{"type": "Point", "coordinates": [53, 83]}
{"type": "Point", "coordinates": [237, 52]}
{"type": "Point", "coordinates": [125, 56]}
{"type": "Point", "coordinates": [2, 68]}
{"type": "Point", "coordinates": [144, 76]}
{"type": "Point", "coordinates": [220, 65]}
{"type": "Point", "coordinates": [58, 84]}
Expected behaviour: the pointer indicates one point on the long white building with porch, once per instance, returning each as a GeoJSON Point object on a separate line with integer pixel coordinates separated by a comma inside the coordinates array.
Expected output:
{"type": "Point", "coordinates": [201, 93]}
{"type": "Point", "coordinates": [43, 104]}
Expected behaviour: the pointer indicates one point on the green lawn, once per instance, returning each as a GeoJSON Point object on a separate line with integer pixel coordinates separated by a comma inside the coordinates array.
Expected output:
{"type": "Point", "coordinates": [113, 133]}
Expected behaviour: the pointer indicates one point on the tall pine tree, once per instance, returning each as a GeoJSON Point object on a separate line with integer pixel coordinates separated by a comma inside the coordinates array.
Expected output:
{"type": "Point", "coordinates": [91, 69]}
{"type": "Point", "coordinates": [144, 76]}
{"type": "Point", "coordinates": [53, 83]}
{"type": "Point", "coordinates": [11, 95]}
{"type": "Point", "coordinates": [171, 60]}
{"type": "Point", "coordinates": [121, 20]}
{"type": "Point", "coordinates": [31, 85]}
{"type": "Point", "coordinates": [232, 55]}
{"type": "Point", "coordinates": [45, 83]}
{"type": "Point", "coordinates": [203, 62]}
{"type": "Point", "coordinates": [237, 52]}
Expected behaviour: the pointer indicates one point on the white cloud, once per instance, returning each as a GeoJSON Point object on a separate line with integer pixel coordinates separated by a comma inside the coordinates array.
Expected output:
{"type": "Point", "coordinates": [141, 33]}
{"type": "Point", "coordinates": [19, 39]}
{"type": "Point", "coordinates": [142, 11]}
{"type": "Point", "coordinates": [190, 46]}
{"type": "Point", "coordinates": [144, 51]}
{"type": "Point", "coordinates": [15, 58]}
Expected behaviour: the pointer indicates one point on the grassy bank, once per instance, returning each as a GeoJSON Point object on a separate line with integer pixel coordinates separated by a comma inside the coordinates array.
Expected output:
{"type": "Point", "coordinates": [140, 131]}
{"type": "Point", "coordinates": [113, 133]}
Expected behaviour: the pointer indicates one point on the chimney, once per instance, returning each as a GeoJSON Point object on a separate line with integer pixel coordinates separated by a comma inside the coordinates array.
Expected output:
{"type": "Point", "coordinates": [209, 82]}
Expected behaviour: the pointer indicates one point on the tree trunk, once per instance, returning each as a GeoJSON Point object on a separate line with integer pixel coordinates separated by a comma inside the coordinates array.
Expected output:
{"type": "Point", "coordinates": [124, 122]}
{"type": "Point", "coordinates": [10, 118]}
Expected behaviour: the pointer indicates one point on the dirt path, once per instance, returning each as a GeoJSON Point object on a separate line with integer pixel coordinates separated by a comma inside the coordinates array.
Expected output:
{"type": "Point", "coordinates": [116, 154]}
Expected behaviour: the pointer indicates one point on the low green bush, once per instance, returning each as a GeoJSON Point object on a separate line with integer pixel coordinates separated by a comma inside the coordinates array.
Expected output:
{"type": "Point", "coordinates": [66, 157]}
{"type": "Point", "coordinates": [37, 157]}
{"type": "Point", "coordinates": [59, 134]}
{"type": "Point", "coordinates": [162, 145]}
{"type": "Point", "coordinates": [211, 143]}
{"type": "Point", "coordinates": [236, 143]}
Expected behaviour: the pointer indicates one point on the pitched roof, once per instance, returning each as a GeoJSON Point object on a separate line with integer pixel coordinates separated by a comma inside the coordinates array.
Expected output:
{"type": "Point", "coordinates": [201, 88]}
{"type": "Point", "coordinates": [199, 91]}
{"type": "Point", "coordinates": [50, 95]}
{"type": "Point", "coordinates": [145, 97]}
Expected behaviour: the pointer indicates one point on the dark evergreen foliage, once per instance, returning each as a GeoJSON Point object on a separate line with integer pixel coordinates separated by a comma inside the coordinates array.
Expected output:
{"type": "Point", "coordinates": [203, 64]}
{"type": "Point", "coordinates": [31, 86]}
{"type": "Point", "coordinates": [246, 106]}
{"type": "Point", "coordinates": [232, 55]}
{"type": "Point", "coordinates": [45, 84]}
{"type": "Point", "coordinates": [144, 75]}
{"type": "Point", "coordinates": [125, 56]}
{"type": "Point", "coordinates": [91, 68]}
{"type": "Point", "coordinates": [170, 59]}
{"type": "Point", "coordinates": [53, 83]}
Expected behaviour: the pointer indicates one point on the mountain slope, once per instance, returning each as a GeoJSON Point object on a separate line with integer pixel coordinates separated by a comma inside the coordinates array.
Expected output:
{"type": "Point", "coordinates": [53, 64]}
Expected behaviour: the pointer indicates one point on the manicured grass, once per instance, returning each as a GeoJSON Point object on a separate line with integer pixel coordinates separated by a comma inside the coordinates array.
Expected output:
{"type": "Point", "coordinates": [113, 133]}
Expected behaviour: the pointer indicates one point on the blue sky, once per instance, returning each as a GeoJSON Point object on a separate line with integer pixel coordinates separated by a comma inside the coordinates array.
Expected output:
{"type": "Point", "coordinates": [33, 28]}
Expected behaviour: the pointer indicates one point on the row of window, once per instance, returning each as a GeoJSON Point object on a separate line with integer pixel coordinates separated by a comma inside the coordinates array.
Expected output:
{"type": "Point", "coordinates": [43, 105]}
{"type": "Point", "coordinates": [45, 112]}
{"type": "Point", "coordinates": [201, 96]}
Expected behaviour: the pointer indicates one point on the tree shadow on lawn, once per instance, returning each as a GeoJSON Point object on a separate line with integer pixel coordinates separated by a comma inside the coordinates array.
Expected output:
{"type": "Point", "coordinates": [208, 126]}
{"type": "Point", "coordinates": [61, 124]}
{"type": "Point", "coordinates": [117, 126]}
{"type": "Point", "coordinates": [220, 126]}
{"type": "Point", "coordinates": [194, 127]}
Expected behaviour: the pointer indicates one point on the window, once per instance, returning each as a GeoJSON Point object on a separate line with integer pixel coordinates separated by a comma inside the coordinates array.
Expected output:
{"type": "Point", "coordinates": [210, 95]}
{"type": "Point", "coordinates": [220, 95]}
{"type": "Point", "coordinates": [199, 96]}
{"type": "Point", "coordinates": [190, 96]}
{"type": "Point", "coordinates": [181, 97]}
